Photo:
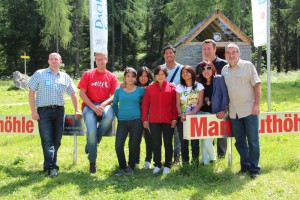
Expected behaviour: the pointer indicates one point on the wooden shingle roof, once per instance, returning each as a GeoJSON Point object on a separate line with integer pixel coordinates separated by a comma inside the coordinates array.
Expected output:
{"type": "Point", "coordinates": [216, 23]}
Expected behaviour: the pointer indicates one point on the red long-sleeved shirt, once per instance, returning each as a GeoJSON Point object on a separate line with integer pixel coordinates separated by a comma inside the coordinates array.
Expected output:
{"type": "Point", "coordinates": [159, 104]}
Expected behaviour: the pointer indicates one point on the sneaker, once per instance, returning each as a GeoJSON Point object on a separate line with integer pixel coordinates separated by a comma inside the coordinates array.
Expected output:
{"type": "Point", "coordinates": [93, 168]}
{"type": "Point", "coordinates": [53, 173]}
{"type": "Point", "coordinates": [121, 172]}
{"type": "Point", "coordinates": [147, 165]}
{"type": "Point", "coordinates": [166, 170]}
{"type": "Point", "coordinates": [129, 171]}
{"type": "Point", "coordinates": [156, 170]}
{"type": "Point", "coordinates": [254, 175]}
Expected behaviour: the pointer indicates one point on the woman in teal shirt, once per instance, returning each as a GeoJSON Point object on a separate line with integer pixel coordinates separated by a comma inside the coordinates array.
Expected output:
{"type": "Point", "coordinates": [126, 105]}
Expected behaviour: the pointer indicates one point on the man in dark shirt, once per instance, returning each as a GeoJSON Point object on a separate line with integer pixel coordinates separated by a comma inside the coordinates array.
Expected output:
{"type": "Point", "coordinates": [209, 49]}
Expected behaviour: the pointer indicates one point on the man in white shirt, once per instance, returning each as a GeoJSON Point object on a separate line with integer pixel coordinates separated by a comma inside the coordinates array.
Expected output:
{"type": "Point", "coordinates": [174, 70]}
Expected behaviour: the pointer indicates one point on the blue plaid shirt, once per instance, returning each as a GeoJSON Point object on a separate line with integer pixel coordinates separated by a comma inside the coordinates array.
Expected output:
{"type": "Point", "coordinates": [51, 87]}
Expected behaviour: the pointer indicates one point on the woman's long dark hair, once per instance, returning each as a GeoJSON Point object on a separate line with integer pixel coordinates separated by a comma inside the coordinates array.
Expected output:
{"type": "Point", "coordinates": [200, 77]}
{"type": "Point", "coordinates": [192, 71]}
{"type": "Point", "coordinates": [140, 73]}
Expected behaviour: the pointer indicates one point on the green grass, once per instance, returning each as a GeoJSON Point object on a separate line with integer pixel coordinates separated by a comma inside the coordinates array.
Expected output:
{"type": "Point", "coordinates": [21, 163]}
{"type": "Point", "coordinates": [285, 91]}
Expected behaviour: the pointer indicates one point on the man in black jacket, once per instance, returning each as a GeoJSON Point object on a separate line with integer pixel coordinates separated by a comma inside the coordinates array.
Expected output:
{"type": "Point", "coordinates": [209, 49]}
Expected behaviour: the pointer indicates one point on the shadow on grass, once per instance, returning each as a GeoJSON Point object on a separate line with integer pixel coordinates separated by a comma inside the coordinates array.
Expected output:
{"type": "Point", "coordinates": [203, 180]}
{"type": "Point", "coordinates": [292, 166]}
{"type": "Point", "coordinates": [42, 184]}
{"type": "Point", "coordinates": [13, 88]}
{"type": "Point", "coordinates": [19, 178]}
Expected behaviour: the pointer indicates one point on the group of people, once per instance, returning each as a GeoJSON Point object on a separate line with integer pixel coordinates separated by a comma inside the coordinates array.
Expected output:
{"type": "Point", "coordinates": [153, 108]}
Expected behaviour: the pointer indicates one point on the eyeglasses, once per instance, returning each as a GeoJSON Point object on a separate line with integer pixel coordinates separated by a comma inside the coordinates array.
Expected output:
{"type": "Point", "coordinates": [233, 53]}
{"type": "Point", "coordinates": [206, 68]}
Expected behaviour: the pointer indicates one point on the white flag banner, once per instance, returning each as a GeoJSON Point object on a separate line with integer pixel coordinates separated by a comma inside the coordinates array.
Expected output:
{"type": "Point", "coordinates": [259, 18]}
{"type": "Point", "coordinates": [98, 26]}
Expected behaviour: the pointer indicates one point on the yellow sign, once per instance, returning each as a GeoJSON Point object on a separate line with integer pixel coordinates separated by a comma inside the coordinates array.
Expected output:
{"type": "Point", "coordinates": [25, 56]}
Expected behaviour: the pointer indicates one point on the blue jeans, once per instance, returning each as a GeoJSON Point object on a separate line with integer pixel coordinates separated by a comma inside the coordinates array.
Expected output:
{"type": "Point", "coordinates": [51, 125]}
{"type": "Point", "coordinates": [134, 128]}
{"type": "Point", "coordinates": [185, 145]}
{"type": "Point", "coordinates": [245, 131]}
{"type": "Point", "coordinates": [96, 127]}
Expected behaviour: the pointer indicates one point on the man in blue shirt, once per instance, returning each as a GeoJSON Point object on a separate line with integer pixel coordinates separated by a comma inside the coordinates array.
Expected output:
{"type": "Point", "coordinates": [47, 106]}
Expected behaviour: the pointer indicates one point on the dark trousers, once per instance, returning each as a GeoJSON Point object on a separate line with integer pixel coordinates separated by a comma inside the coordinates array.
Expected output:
{"type": "Point", "coordinates": [134, 128]}
{"type": "Point", "coordinates": [222, 144]}
{"type": "Point", "coordinates": [185, 145]}
{"type": "Point", "coordinates": [221, 147]}
{"type": "Point", "coordinates": [148, 142]}
{"type": "Point", "coordinates": [159, 131]}
{"type": "Point", "coordinates": [51, 125]}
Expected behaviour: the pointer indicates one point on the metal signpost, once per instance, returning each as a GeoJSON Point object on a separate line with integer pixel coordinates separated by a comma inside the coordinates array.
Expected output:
{"type": "Point", "coordinates": [25, 57]}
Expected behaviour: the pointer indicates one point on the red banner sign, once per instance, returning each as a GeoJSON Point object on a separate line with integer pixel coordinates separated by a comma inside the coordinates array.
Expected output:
{"type": "Point", "coordinates": [209, 126]}
{"type": "Point", "coordinates": [24, 124]}
{"type": "Point", "coordinates": [18, 124]}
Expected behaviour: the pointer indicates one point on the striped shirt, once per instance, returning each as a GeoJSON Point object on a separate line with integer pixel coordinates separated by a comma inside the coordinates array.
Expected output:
{"type": "Point", "coordinates": [51, 87]}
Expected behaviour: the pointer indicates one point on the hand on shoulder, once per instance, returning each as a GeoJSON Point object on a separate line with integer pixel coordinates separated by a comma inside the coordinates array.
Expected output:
{"type": "Point", "coordinates": [172, 85]}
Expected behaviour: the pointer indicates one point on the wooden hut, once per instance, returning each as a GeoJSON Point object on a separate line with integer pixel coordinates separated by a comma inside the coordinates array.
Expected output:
{"type": "Point", "coordinates": [217, 27]}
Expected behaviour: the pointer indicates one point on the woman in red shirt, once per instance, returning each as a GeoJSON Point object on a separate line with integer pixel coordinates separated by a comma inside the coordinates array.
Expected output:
{"type": "Point", "coordinates": [159, 114]}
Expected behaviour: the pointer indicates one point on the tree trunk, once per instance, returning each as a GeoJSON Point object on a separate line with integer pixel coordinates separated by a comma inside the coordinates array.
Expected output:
{"type": "Point", "coordinates": [286, 57]}
{"type": "Point", "coordinates": [113, 48]}
{"type": "Point", "coordinates": [121, 35]}
{"type": "Point", "coordinates": [77, 42]}
{"type": "Point", "coordinates": [298, 53]}
{"type": "Point", "coordinates": [278, 37]}
{"type": "Point", "coordinates": [243, 6]}
{"type": "Point", "coordinates": [147, 33]}
{"type": "Point", "coordinates": [57, 45]}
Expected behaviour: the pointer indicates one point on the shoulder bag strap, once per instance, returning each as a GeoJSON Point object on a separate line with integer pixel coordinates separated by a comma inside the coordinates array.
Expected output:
{"type": "Point", "coordinates": [171, 80]}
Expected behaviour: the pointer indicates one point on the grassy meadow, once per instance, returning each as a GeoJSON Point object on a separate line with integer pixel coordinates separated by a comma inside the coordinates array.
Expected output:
{"type": "Point", "coordinates": [21, 161]}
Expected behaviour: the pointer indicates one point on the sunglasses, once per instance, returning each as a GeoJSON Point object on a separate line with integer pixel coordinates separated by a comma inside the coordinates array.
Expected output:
{"type": "Point", "coordinates": [206, 68]}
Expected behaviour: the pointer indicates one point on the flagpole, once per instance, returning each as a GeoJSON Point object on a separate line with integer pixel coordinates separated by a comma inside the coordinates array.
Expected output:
{"type": "Point", "coordinates": [269, 54]}
{"type": "Point", "coordinates": [91, 33]}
